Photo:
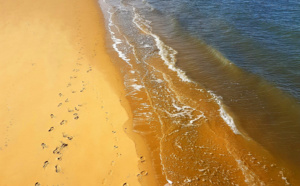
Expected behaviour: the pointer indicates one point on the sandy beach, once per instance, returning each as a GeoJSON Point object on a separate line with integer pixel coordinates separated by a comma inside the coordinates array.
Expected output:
{"type": "Point", "coordinates": [62, 117]}
{"type": "Point", "coordinates": [74, 112]}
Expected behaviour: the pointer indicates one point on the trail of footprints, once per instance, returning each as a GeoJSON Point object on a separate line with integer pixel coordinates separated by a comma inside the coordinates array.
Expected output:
{"type": "Point", "coordinates": [118, 154]}
{"type": "Point", "coordinates": [66, 139]}
{"type": "Point", "coordinates": [74, 110]}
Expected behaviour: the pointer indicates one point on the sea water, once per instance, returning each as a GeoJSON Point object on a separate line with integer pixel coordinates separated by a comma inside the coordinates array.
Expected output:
{"type": "Point", "coordinates": [191, 63]}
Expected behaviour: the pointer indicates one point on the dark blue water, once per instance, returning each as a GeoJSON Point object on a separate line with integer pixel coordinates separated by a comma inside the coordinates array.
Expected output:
{"type": "Point", "coordinates": [247, 53]}
{"type": "Point", "coordinates": [262, 40]}
{"type": "Point", "coordinates": [262, 37]}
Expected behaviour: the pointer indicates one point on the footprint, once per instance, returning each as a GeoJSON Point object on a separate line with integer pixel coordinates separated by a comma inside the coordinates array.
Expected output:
{"type": "Point", "coordinates": [76, 117]}
{"type": "Point", "coordinates": [44, 145]}
{"type": "Point", "coordinates": [59, 104]}
{"type": "Point", "coordinates": [63, 122]}
{"type": "Point", "coordinates": [37, 184]}
{"type": "Point", "coordinates": [70, 110]}
{"type": "Point", "coordinates": [67, 100]}
{"type": "Point", "coordinates": [56, 151]}
{"type": "Point", "coordinates": [45, 164]}
{"type": "Point", "coordinates": [142, 158]}
{"type": "Point", "coordinates": [51, 128]}
{"type": "Point", "coordinates": [51, 115]}
{"type": "Point", "coordinates": [144, 173]}
{"type": "Point", "coordinates": [57, 168]}
{"type": "Point", "coordinates": [63, 145]}
{"type": "Point", "coordinates": [60, 94]}
{"type": "Point", "coordinates": [68, 137]}
{"type": "Point", "coordinates": [76, 108]}
{"type": "Point", "coordinates": [59, 158]}
{"type": "Point", "coordinates": [73, 91]}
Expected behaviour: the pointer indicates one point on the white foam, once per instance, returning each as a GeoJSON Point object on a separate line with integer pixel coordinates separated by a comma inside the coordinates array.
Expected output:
{"type": "Point", "coordinates": [250, 177]}
{"type": "Point", "coordinates": [167, 54]}
{"type": "Point", "coordinates": [169, 181]}
{"type": "Point", "coordinates": [225, 116]}
{"type": "Point", "coordinates": [147, 46]}
{"type": "Point", "coordinates": [116, 40]}
{"type": "Point", "coordinates": [137, 87]}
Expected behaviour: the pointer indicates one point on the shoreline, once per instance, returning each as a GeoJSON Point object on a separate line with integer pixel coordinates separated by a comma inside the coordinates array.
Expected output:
{"type": "Point", "coordinates": [167, 110]}
{"type": "Point", "coordinates": [63, 107]}
{"type": "Point", "coordinates": [67, 117]}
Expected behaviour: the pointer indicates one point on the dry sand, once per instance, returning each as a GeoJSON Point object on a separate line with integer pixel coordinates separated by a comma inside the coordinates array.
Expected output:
{"type": "Point", "coordinates": [62, 102]}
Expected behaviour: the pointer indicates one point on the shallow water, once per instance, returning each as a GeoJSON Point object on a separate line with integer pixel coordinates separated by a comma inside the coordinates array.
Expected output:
{"type": "Point", "coordinates": [191, 67]}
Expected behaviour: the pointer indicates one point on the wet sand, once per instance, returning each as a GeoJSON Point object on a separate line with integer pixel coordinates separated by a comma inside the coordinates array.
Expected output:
{"type": "Point", "coordinates": [62, 101]}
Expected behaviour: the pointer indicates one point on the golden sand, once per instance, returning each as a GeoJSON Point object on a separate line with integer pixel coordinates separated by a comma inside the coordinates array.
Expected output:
{"type": "Point", "coordinates": [65, 118]}
{"type": "Point", "coordinates": [62, 102]}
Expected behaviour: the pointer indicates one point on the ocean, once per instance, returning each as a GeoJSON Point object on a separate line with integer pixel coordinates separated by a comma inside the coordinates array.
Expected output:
{"type": "Point", "coordinates": [193, 69]}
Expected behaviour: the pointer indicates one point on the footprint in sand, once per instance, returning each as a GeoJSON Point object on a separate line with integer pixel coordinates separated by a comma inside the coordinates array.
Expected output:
{"type": "Point", "coordinates": [68, 137]}
{"type": "Point", "coordinates": [59, 158]}
{"type": "Point", "coordinates": [70, 110]}
{"type": "Point", "coordinates": [57, 168]}
{"type": "Point", "coordinates": [73, 91]}
{"type": "Point", "coordinates": [58, 150]}
{"type": "Point", "coordinates": [60, 94]}
{"type": "Point", "coordinates": [142, 158]}
{"type": "Point", "coordinates": [37, 184]}
{"type": "Point", "coordinates": [76, 117]}
{"type": "Point", "coordinates": [51, 128]}
{"type": "Point", "coordinates": [51, 115]}
{"type": "Point", "coordinates": [44, 145]}
{"type": "Point", "coordinates": [67, 100]}
{"type": "Point", "coordinates": [59, 104]}
{"type": "Point", "coordinates": [45, 164]}
{"type": "Point", "coordinates": [144, 173]}
{"type": "Point", "coordinates": [63, 122]}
